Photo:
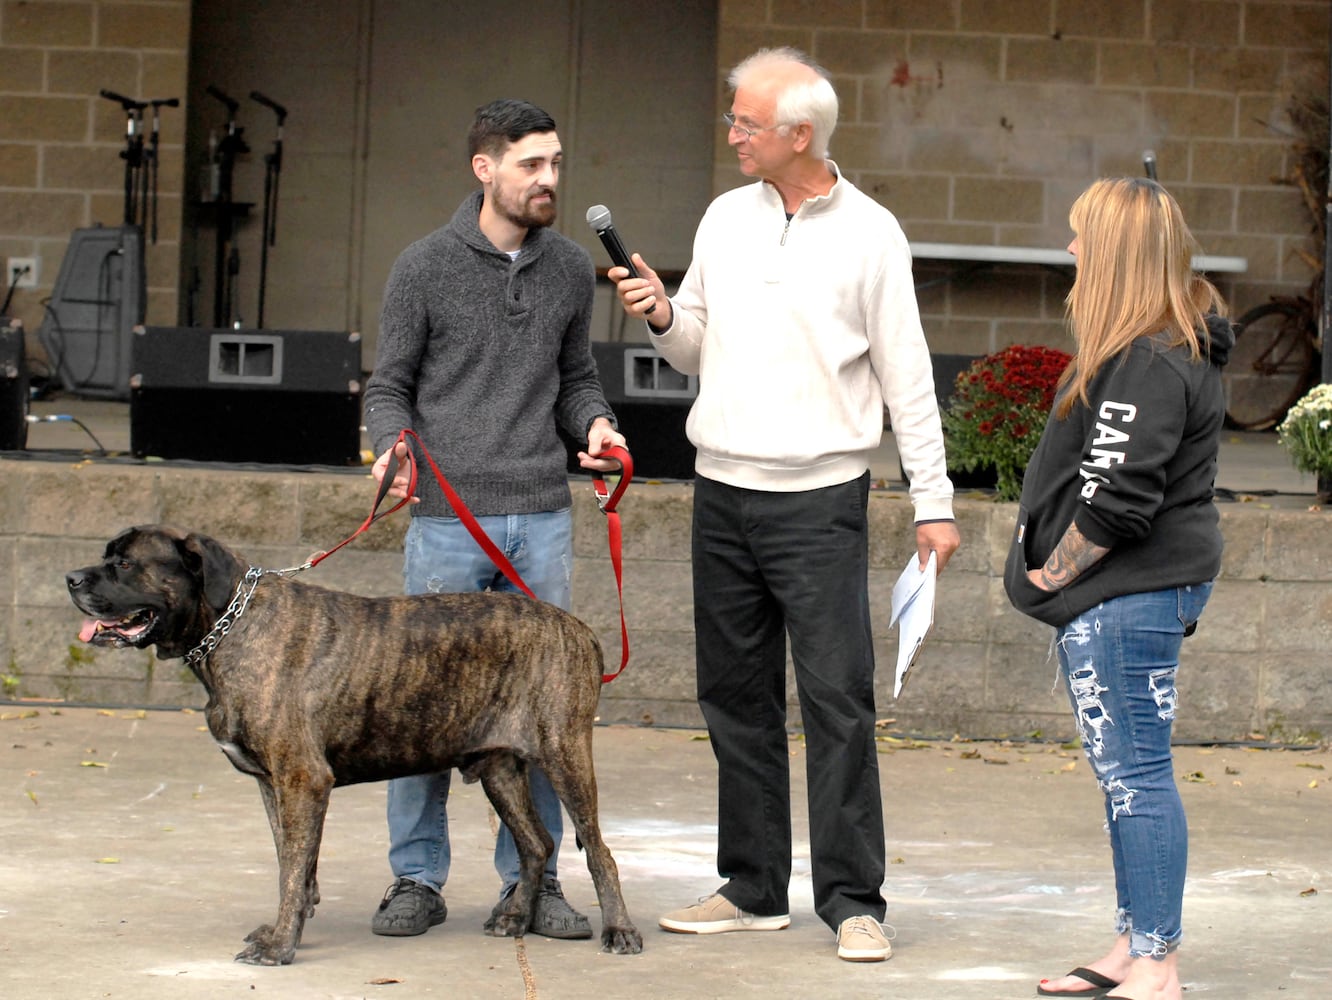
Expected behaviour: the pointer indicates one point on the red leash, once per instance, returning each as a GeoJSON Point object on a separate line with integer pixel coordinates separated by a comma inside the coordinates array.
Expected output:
{"type": "Point", "coordinates": [606, 500]}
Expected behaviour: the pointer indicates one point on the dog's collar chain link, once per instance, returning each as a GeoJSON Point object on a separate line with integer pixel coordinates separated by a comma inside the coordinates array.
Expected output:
{"type": "Point", "coordinates": [228, 618]}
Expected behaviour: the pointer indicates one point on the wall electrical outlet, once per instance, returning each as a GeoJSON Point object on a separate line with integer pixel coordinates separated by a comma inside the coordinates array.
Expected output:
{"type": "Point", "coordinates": [29, 278]}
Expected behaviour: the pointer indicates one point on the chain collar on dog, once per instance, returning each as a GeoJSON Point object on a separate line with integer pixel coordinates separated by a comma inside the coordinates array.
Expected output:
{"type": "Point", "coordinates": [229, 617]}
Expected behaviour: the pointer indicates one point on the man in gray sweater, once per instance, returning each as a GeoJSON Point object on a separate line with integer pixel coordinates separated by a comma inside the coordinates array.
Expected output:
{"type": "Point", "coordinates": [483, 350]}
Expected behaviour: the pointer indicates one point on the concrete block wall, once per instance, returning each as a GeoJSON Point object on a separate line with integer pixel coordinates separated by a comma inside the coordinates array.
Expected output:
{"type": "Point", "coordinates": [976, 121]}
{"type": "Point", "coordinates": [1260, 663]}
{"type": "Point", "coordinates": [60, 168]}
{"type": "Point", "coordinates": [980, 122]}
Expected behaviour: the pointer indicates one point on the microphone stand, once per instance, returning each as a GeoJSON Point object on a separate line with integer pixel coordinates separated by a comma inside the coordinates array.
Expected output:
{"type": "Point", "coordinates": [272, 175]}
{"type": "Point", "coordinates": [226, 262]}
{"type": "Point", "coordinates": [133, 153]}
{"type": "Point", "coordinates": [157, 105]}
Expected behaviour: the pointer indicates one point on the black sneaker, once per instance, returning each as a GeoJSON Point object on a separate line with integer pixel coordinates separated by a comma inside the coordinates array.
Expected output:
{"type": "Point", "coordinates": [552, 916]}
{"type": "Point", "coordinates": [408, 908]}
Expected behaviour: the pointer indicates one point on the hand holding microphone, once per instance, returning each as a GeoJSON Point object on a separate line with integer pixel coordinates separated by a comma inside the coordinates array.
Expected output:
{"type": "Point", "coordinates": [599, 218]}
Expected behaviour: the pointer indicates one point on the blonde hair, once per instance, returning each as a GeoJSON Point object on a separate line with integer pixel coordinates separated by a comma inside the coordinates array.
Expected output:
{"type": "Point", "coordinates": [1135, 277]}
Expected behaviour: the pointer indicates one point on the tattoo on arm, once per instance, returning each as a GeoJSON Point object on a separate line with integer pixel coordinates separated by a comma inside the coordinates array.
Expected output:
{"type": "Point", "coordinates": [1074, 554]}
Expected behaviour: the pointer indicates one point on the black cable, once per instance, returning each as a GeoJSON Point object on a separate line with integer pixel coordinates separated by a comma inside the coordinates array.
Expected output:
{"type": "Point", "coordinates": [14, 277]}
{"type": "Point", "coordinates": [55, 418]}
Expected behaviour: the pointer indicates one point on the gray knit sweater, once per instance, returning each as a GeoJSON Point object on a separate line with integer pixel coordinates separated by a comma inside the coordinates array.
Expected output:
{"type": "Point", "coordinates": [481, 355]}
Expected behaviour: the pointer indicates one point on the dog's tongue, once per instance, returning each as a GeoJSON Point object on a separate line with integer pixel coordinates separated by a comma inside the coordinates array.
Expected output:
{"type": "Point", "coordinates": [90, 629]}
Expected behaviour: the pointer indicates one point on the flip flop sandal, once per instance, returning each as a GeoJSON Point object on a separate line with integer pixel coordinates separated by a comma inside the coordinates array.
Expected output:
{"type": "Point", "coordinates": [1101, 985]}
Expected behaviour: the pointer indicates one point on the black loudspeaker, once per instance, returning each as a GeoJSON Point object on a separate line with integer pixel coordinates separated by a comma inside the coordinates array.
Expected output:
{"type": "Point", "coordinates": [289, 397]}
{"type": "Point", "coordinates": [13, 386]}
{"type": "Point", "coordinates": [651, 401]}
{"type": "Point", "coordinates": [96, 302]}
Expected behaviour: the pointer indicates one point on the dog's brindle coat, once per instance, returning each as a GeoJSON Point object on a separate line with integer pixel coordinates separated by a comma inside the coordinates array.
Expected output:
{"type": "Point", "coordinates": [311, 689]}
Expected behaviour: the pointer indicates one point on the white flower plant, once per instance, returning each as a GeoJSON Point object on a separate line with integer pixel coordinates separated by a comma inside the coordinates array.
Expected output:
{"type": "Point", "coordinates": [1306, 433]}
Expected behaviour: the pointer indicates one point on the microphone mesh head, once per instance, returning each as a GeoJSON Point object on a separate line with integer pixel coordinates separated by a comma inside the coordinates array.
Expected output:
{"type": "Point", "coordinates": [599, 217]}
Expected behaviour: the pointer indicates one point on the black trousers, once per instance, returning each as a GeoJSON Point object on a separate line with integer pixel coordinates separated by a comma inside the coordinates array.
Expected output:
{"type": "Point", "coordinates": [767, 565]}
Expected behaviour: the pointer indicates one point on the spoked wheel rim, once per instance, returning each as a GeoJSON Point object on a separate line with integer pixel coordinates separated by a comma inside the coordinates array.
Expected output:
{"type": "Point", "coordinates": [1270, 366]}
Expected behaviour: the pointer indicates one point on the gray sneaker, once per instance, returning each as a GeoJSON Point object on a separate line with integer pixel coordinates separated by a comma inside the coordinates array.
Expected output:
{"type": "Point", "coordinates": [408, 908]}
{"type": "Point", "coordinates": [552, 916]}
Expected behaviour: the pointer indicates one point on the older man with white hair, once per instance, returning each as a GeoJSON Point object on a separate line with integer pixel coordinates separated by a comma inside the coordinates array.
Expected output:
{"type": "Point", "coordinates": [798, 314]}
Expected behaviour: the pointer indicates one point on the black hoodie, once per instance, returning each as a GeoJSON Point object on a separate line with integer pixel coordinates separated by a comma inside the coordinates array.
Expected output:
{"type": "Point", "coordinates": [1134, 471]}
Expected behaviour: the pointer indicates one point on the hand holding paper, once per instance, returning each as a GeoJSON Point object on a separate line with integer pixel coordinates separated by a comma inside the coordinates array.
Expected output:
{"type": "Point", "coordinates": [913, 613]}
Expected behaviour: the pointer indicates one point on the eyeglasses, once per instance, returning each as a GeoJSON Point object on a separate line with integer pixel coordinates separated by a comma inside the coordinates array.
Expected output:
{"type": "Point", "coordinates": [729, 120]}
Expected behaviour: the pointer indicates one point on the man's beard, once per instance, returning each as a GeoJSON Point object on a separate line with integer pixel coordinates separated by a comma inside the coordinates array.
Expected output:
{"type": "Point", "coordinates": [525, 214]}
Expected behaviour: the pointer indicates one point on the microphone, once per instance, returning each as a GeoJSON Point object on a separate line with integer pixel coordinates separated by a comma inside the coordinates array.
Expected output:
{"type": "Point", "coordinates": [128, 103]}
{"type": "Point", "coordinates": [1149, 163]}
{"type": "Point", "coordinates": [599, 218]}
{"type": "Point", "coordinates": [269, 103]}
{"type": "Point", "coordinates": [231, 103]}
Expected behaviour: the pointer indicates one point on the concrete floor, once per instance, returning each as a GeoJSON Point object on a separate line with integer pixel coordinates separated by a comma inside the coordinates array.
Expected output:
{"type": "Point", "coordinates": [135, 860]}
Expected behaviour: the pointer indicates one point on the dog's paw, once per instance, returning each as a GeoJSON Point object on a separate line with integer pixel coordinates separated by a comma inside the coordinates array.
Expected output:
{"type": "Point", "coordinates": [261, 948]}
{"type": "Point", "coordinates": [507, 925]}
{"type": "Point", "coordinates": [621, 940]}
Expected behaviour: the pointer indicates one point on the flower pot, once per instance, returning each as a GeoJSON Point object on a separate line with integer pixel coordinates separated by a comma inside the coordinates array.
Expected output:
{"type": "Point", "coordinates": [983, 477]}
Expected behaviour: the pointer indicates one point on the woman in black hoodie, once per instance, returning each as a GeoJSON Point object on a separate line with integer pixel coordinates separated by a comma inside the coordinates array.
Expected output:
{"type": "Point", "coordinates": [1117, 543]}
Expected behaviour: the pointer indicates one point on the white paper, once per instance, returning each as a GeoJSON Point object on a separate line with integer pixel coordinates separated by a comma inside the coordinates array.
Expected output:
{"type": "Point", "coordinates": [913, 613]}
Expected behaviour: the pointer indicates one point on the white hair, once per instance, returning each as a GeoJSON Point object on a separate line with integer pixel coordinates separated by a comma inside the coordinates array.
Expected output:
{"type": "Point", "coordinates": [804, 100]}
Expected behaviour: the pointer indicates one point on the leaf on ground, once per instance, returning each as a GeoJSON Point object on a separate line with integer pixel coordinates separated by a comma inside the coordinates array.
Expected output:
{"type": "Point", "coordinates": [107, 861]}
{"type": "Point", "coordinates": [1197, 777]}
{"type": "Point", "coordinates": [383, 981]}
{"type": "Point", "coordinates": [1315, 767]}
{"type": "Point", "coordinates": [994, 760]}
{"type": "Point", "coordinates": [92, 763]}
{"type": "Point", "coordinates": [1311, 891]}
{"type": "Point", "coordinates": [971, 755]}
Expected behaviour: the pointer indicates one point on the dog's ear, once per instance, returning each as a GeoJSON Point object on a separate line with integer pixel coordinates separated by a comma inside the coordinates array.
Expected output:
{"type": "Point", "coordinates": [119, 543]}
{"type": "Point", "coordinates": [213, 565]}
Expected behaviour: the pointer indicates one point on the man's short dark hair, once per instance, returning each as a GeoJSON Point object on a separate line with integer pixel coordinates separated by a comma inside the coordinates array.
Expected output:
{"type": "Point", "coordinates": [503, 122]}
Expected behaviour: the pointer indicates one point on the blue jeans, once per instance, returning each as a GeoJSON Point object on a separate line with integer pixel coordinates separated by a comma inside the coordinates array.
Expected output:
{"type": "Point", "coordinates": [442, 557]}
{"type": "Point", "coordinates": [1119, 662]}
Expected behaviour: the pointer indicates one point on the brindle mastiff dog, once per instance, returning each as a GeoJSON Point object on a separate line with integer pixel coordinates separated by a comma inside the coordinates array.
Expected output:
{"type": "Point", "coordinates": [309, 689]}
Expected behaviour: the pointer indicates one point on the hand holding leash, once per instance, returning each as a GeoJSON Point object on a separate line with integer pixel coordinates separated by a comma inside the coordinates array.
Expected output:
{"type": "Point", "coordinates": [401, 479]}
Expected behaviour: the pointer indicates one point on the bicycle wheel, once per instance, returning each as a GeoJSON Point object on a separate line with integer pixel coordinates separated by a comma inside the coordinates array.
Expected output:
{"type": "Point", "coordinates": [1270, 366]}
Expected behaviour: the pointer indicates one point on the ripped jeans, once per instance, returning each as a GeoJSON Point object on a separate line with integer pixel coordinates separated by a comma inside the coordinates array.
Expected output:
{"type": "Point", "coordinates": [1119, 661]}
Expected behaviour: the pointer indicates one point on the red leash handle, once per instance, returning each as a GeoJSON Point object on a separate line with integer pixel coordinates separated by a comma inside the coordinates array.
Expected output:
{"type": "Point", "coordinates": [608, 501]}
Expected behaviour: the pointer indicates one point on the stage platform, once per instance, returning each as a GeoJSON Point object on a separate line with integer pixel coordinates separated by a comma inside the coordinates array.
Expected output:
{"type": "Point", "coordinates": [1252, 465]}
{"type": "Point", "coordinates": [1261, 662]}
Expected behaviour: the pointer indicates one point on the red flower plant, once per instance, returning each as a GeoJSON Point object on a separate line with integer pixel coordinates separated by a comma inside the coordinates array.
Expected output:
{"type": "Point", "coordinates": [998, 408]}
